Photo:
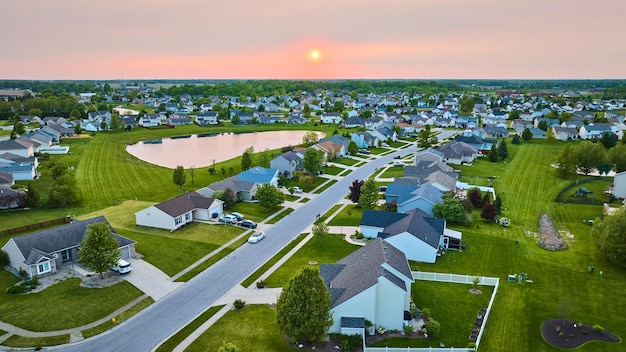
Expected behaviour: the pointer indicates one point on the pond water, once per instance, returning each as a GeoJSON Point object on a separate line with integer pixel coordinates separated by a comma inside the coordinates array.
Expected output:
{"type": "Point", "coordinates": [201, 150]}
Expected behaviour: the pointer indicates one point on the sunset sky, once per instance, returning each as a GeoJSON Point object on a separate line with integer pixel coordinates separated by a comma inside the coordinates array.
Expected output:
{"type": "Point", "coordinates": [274, 39]}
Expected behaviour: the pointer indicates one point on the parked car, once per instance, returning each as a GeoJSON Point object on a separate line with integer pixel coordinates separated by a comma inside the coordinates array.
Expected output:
{"type": "Point", "coordinates": [398, 163]}
{"type": "Point", "coordinates": [396, 156]}
{"type": "Point", "coordinates": [256, 237]}
{"type": "Point", "coordinates": [122, 267]}
{"type": "Point", "coordinates": [228, 219]}
{"type": "Point", "coordinates": [382, 189]}
{"type": "Point", "coordinates": [297, 189]}
{"type": "Point", "coordinates": [247, 223]}
{"type": "Point", "coordinates": [364, 151]}
{"type": "Point", "coordinates": [237, 215]}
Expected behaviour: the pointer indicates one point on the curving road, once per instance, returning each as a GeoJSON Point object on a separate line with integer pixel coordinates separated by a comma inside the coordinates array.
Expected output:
{"type": "Point", "coordinates": [146, 330]}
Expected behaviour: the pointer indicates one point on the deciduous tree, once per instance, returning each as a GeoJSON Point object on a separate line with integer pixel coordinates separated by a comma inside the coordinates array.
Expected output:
{"type": "Point", "coordinates": [179, 177]}
{"type": "Point", "coordinates": [617, 157]}
{"type": "Point", "coordinates": [527, 135]}
{"type": "Point", "coordinates": [269, 196]}
{"type": "Point", "coordinates": [309, 138]}
{"type": "Point", "coordinates": [246, 160]}
{"type": "Point", "coordinates": [609, 235]}
{"type": "Point", "coordinates": [353, 148]}
{"type": "Point", "coordinates": [313, 160]}
{"type": "Point", "coordinates": [450, 209]}
{"type": "Point", "coordinates": [566, 162]}
{"type": "Point", "coordinates": [589, 156]}
{"type": "Point", "coordinates": [489, 212]}
{"type": "Point", "coordinates": [99, 249]}
{"type": "Point", "coordinates": [303, 307]}
{"type": "Point", "coordinates": [369, 194]}
{"type": "Point", "coordinates": [355, 190]}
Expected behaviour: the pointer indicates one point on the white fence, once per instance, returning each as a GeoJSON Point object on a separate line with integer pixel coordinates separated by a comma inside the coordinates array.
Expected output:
{"type": "Point", "coordinates": [452, 278]}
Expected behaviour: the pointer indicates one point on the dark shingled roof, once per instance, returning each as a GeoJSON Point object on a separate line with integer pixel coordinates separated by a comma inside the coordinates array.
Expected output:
{"type": "Point", "coordinates": [362, 268]}
{"type": "Point", "coordinates": [419, 224]}
{"type": "Point", "coordinates": [48, 241]}
{"type": "Point", "coordinates": [185, 203]}
{"type": "Point", "coordinates": [349, 322]}
{"type": "Point", "coordinates": [379, 218]}
{"type": "Point", "coordinates": [233, 183]}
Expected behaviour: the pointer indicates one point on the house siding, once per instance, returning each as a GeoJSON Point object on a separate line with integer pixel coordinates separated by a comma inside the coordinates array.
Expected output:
{"type": "Point", "coordinates": [364, 303]}
{"type": "Point", "coordinates": [370, 231]}
{"type": "Point", "coordinates": [413, 248]}
{"type": "Point", "coordinates": [154, 217]}
{"type": "Point", "coordinates": [619, 185]}
{"type": "Point", "coordinates": [420, 203]}
{"type": "Point", "coordinates": [390, 312]}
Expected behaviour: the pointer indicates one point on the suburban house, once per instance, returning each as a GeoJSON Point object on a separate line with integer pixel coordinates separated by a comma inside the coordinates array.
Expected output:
{"type": "Point", "coordinates": [565, 133]}
{"type": "Point", "coordinates": [260, 175]}
{"type": "Point", "coordinates": [46, 251]}
{"type": "Point", "coordinates": [538, 132]}
{"type": "Point", "coordinates": [150, 120]}
{"type": "Point", "coordinates": [11, 198]}
{"type": "Point", "coordinates": [207, 118]}
{"type": "Point", "coordinates": [244, 184]}
{"type": "Point", "coordinates": [491, 132]}
{"type": "Point", "coordinates": [435, 172]}
{"type": "Point", "coordinates": [458, 153]}
{"type": "Point", "coordinates": [619, 185]}
{"type": "Point", "coordinates": [364, 139]}
{"type": "Point", "coordinates": [418, 235]}
{"type": "Point", "coordinates": [331, 149]}
{"type": "Point", "coordinates": [384, 133]}
{"type": "Point", "coordinates": [594, 131]}
{"type": "Point", "coordinates": [372, 283]}
{"type": "Point", "coordinates": [296, 120]}
{"type": "Point", "coordinates": [180, 211]}
{"type": "Point", "coordinates": [17, 147]}
{"type": "Point", "coordinates": [98, 117]}
{"type": "Point", "coordinates": [411, 196]}
{"type": "Point", "coordinates": [287, 163]}
{"type": "Point", "coordinates": [28, 119]}
{"type": "Point", "coordinates": [6, 179]}
{"type": "Point", "coordinates": [178, 119]}
{"type": "Point", "coordinates": [331, 117]}
{"type": "Point", "coordinates": [475, 141]}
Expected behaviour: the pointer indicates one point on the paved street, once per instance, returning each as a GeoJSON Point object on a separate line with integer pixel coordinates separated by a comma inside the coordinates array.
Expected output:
{"type": "Point", "coordinates": [146, 330]}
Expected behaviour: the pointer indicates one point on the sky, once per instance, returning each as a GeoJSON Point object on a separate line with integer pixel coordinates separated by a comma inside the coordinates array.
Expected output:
{"type": "Point", "coordinates": [274, 39]}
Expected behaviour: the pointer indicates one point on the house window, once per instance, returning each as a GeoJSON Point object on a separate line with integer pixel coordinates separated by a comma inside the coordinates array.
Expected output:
{"type": "Point", "coordinates": [65, 255]}
{"type": "Point", "coordinates": [187, 217]}
{"type": "Point", "coordinates": [43, 268]}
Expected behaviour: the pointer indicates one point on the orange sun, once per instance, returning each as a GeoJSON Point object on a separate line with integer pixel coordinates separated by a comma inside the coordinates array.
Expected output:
{"type": "Point", "coordinates": [315, 55]}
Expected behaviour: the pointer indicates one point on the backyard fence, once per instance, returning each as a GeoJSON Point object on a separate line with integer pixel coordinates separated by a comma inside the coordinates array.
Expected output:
{"type": "Point", "coordinates": [31, 227]}
{"type": "Point", "coordinates": [564, 197]}
{"type": "Point", "coordinates": [451, 278]}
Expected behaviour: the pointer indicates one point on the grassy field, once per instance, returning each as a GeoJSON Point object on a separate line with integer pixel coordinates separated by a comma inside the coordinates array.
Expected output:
{"type": "Point", "coordinates": [177, 338]}
{"type": "Point", "coordinates": [281, 215]}
{"type": "Point", "coordinates": [251, 329]}
{"type": "Point", "coordinates": [24, 342]}
{"type": "Point", "coordinates": [393, 171]}
{"type": "Point", "coordinates": [120, 318]}
{"type": "Point", "coordinates": [327, 249]}
{"type": "Point", "coordinates": [74, 305]}
{"type": "Point", "coordinates": [349, 216]}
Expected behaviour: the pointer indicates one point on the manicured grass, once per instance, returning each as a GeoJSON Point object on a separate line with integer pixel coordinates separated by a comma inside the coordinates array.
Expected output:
{"type": "Point", "coordinates": [328, 213]}
{"type": "Point", "coordinates": [349, 216]}
{"type": "Point", "coordinates": [177, 338]}
{"type": "Point", "coordinates": [332, 169]}
{"type": "Point", "coordinates": [308, 188]}
{"type": "Point", "coordinates": [346, 161]}
{"type": "Point", "coordinates": [257, 273]}
{"type": "Point", "coordinates": [63, 305]}
{"type": "Point", "coordinates": [120, 318]}
{"type": "Point", "coordinates": [212, 260]}
{"type": "Point", "coordinates": [476, 181]}
{"type": "Point", "coordinates": [280, 216]}
{"type": "Point", "coordinates": [252, 211]}
{"type": "Point", "coordinates": [327, 249]}
{"type": "Point", "coordinates": [324, 187]}
{"type": "Point", "coordinates": [393, 171]}
{"type": "Point", "coordinates": [378, 151]}
{"type": "Point", "coordinates": [452, 305]}
{"type": "Point", "coordinates": [25, 342]}
{"type": "Point", "coordinates": [251, 329]}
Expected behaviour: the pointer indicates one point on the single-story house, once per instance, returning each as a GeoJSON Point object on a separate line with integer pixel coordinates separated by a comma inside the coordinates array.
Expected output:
{"type": "Point", "coordinates": [372, 283]}
{"type": "Point", "coordinates": [260, 175]}
{"type": "Point", "coordinates": [45, 251]}
{"type": "Point", "coordinates": [418, 235]}
{"type": "Point", "coordinates": [17, 147]}
{"type": "Point", "coordinates": [538, 132]}
{"type": "Point", "coordinates": [331, 150]}
{"type": "Point", "coordinates": [180, 211]}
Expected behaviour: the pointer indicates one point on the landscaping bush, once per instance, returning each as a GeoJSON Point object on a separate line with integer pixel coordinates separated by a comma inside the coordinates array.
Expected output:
{"type": "Point", "coordinates": [408, 330]}
{"type": "Point", "coordinates": [426, 313]}
{"type": "Point", "coordinates": [239, 303]}
{"type": "Point", "coordinates": [4, 258]}
{"type": "Point", "coordinates": [17, 289]}
{"type": "Point", "coordinates": [350, 342]}
{"type": "Point", "coordinates": [433, 327]}
{"type": "Point", "coordinates": [261, 284]}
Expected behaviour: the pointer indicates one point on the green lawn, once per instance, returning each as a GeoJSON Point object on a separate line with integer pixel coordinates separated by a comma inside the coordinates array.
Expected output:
{"type": "Point", "coordinates": [26, 342]}
{"type": "Point", "coordinates": [346, 161]}
{"type": "Point", "coordinates": [349, 216]}
{"type": "Point", "coordinates": [120, 318]}
{"type": "Point", "coordinates": [252, 211]}
{"type": "Point", "coordinates": [280, 216]}
{"type": "Point", "coordinates": [325, 186]}
{"type": "Point", "coordinates": [332, 169]}
{"type": "Point", "coordinates": [63, 305]}
{"type": "Point", "coordinates": [330, 211]}
{"type": "Point", "coordinates": [327, 249]}
{"type": "Point", "coordinates": [251, 329]}
{"type": "Point", "coordinates": [177, 338]}
{"type": "Point", "coordinates": [452, 305]}
{"type": "Point", "coordinates": [393, 171]}
{"type": "Point", "coordinates": [212, 260]}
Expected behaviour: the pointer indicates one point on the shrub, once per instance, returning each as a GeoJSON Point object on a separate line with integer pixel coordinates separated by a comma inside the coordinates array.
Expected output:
{"type": "Point", "coordinates": [359, 236]}
{"type": "Point", "coordinates": [426, 313]}
{"type": "Point", "coordinates": [472, 345]}
{"type": "Point", "coordinates": [350, 342]}
{"type": "Point", "coordinates": [433, 327]}
{"type": "Point", "coordinates": [4, 258]}
{"type": "Point", "coordinates": [23, 274]}
{"type": "Point", "coordinates": [408, 330]}
{"type": "Point", "coordinates": [261, 284]}
{"type": "Point", "coordinates": [597, 327]}
{"type": "Point", "coordinates": [16, 289]}
{"type": "Point", "coordinates": [239, 303]}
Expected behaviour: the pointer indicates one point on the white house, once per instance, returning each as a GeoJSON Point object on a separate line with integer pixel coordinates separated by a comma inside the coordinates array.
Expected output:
{"type": "Point", "coordinates": [17, 147]}
{"type": "Point", "coordinates": [207, 118]}
{"type": "Point", "coordinates": [331, 117]}
{"type": "Point", "coordinates": [180, 211]}
{"type": "Point", "coordinates": [418, 235]}
{"type": "Point", "coordinates": [619, 185]}
{"type": "Point", "coordinates": [373, 283]}
{"type": "Point", "coordinates": [150, 120]}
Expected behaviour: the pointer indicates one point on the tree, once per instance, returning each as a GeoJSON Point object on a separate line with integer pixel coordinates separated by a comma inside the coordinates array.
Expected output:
{"type": "Point", "coordinates": [229, 198]}
{"type": "Point", "coordinates": [64, 191]}
{"type": "Point", "coordinates": [228, 347]}
{"type": "Point", "coordinates": [514, 115]}
{"type": "Point", "coordinates": [503, 151]}
{"type": "Point", "coordinates": [550, 135]}
{"type": "Point", "coordinates": [58, 168]}
{"type": "Point", "coordinates": [353, 148]}
{"type": "Point", "coordinates": [246, 160]}
{"type": "Point", "coordinates": [466, 105]}
{"type": "Point", "coordinates": [179, 177]}
{"type": "Point", "coordinates": [313, 160]}
{"type": "Point", "coordinates": [492, 155]}
{"type": "Point", "coordinates": [269, 196]}
{"type": "Point", "coordinates": [309, 138]}
{"type": "Point", "coordinates": [543, 125]}
{"type": "Point", "coordinates": [489, 212]}
{"type": "Point", "coordinates": [32, 196]}
{"type": "Point", "coordinates": [566, 162]}
{"type": "Point", "coordinates": [589, 156]}
{"type": "Point", "coordinates": [498, 204]}
{"type": "Point", "coordinates": [515, 139]}
{"type": "Point", "coordinates": [115, 124]}
{"type": "Point", "coordinates": [99, 249]}
{"type": "Point", "coordinates": [450, 209]}
{"type": "Point", "coordinates": [235, 120]}
{"type": "Point", "coordinates": [608, 140]}
{"type": "Point", "coordinates": [369, 194]}
{"type": "Point", "coordinates": [78, 129]}
{"type": "Point", "coordinates": [355, 190]}
{"type": "Point", "coordinates": [609, 236]}
{"type": "Point", "coordinates": [475, 197]}
{"type": "Point", "coordinates": [527, 135]}
{"type": "Point", "coordinates": [303, 307]}
{"type": "Point", "coordinates": [19, 128]}
{"type": "Point", "coordinates": [320, 230]}
{"type": "Point", "coordinates": [265, 157]}
{"type": "Point", "coordinates": [617, 157]}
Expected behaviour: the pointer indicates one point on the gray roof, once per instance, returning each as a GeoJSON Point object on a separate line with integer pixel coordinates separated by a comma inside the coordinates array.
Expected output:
{"type": "Point", "coordinates": [49, 241]}
{"type": "Point", "coordinates": [14, 144]}
{"type": "Point", "coordinates": [337, 139]}
{"type": "Point", "coordinates": [419, 224]}
{"type": "Point", "coordinates": [361, 270]}
{"type": "Point", "coordinates": [185, 203]}
{"type": "Point", "coordinates": [458, 150]}
{"type": "Point", "coordinates": [6, 177]}
{"type": "Point", "coordinates": [233, 183]}
{"type": "Point", "coordinates": [379, 218]}
{"type": "Point", "coordinates": [406, 193]}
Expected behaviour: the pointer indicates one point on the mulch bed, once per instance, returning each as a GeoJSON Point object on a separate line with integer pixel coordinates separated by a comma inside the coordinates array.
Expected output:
{"type": "Point", "coordinates": [571, 336]}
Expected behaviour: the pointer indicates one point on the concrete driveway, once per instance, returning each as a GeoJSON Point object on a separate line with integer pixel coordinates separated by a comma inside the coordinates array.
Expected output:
{"type": "Point", "coordinates": [150, 279]}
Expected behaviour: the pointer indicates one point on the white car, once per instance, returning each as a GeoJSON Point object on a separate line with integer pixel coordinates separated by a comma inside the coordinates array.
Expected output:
{"type": "Point", "coordinates": [297, 190]}
{"type": "Point", "coordinates": [256, 237]}
{"type": "Point", "coordinates": [122, 267]}
{"type": "Point", "coordinates": [228, 219]}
